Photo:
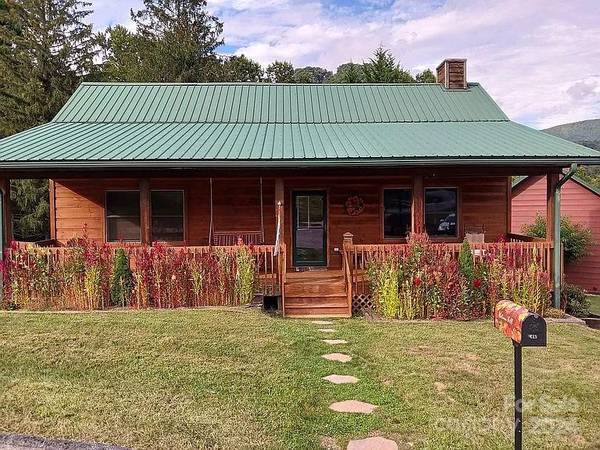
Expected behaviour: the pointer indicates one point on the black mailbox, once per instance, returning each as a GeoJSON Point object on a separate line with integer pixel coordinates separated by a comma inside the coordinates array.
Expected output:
{"type": "Point", "coordinates": [523, 327]}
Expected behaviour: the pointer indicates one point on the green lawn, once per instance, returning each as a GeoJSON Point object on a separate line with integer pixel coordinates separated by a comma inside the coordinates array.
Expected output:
{"type": "Point", "coordinates": [242, 379]}
{"type": "Point", "coordinates": [594, 304]}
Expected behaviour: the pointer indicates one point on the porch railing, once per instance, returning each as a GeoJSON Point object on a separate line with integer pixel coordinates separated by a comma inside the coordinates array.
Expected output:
{"type": "Point", "coordinates": [269, 265]}
{"type": "Point", "coordinates": [358, 256]}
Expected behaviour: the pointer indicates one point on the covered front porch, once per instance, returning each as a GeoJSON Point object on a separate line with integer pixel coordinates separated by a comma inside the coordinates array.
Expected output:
{"type": "Point", "coordinates": [312, 232]}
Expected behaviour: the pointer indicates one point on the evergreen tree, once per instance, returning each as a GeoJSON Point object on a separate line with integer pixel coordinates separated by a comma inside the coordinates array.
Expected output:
{"type": "Point", "coordinates": [30, 209]}
{"type": "Point", "coordinates": [46, 49]}
{"type": "Point", "coordinates": [280, 72]}
{"type": "Point", "coordinates": [121, 280]}
{"type": "Point", "coordinates": [174, 41]}
{"type": "Point", "coordinates": [126, 55]}
{"type": "Point", "coordinates": [383, 68]}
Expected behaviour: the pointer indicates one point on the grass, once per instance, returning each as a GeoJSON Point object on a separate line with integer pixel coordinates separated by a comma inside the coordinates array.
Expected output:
{"type": "Point", "coordinates": [242, 379]}
{"type": "Point", "coordinates": [594, 304]}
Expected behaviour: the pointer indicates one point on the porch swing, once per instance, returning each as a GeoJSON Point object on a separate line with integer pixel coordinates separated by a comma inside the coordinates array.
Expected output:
{"type": "Point", "coordinates": [230, 238]}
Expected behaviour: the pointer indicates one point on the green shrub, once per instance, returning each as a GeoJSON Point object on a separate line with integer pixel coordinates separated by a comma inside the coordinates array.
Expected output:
{"type": "Point", "coordinates": [383, 277]}
{"type": "Point", "coordinates": [121, 281]}
{"type": "Point", "coordinates": [465, 261]}
{"type": "Point", "coordinates": [577, 239]}
{"type": "Point", "coordinates": [245, 273]}
{"type": "Point", "coordinates": [575, 300]}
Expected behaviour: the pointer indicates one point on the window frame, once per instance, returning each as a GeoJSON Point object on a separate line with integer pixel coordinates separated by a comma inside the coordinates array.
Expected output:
{"type": "Point", "coordinates": [107, 217]}
{"type": "Point", "coordinates": [448, 237]}
{"type": "Point", "coordinates": [183, 216]}
{"type": "Point", "coordinates": [404, 187]}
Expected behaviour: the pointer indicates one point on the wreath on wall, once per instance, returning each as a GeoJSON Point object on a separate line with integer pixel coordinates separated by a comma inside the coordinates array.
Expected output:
{"type": "Point", "coordinates": [355, 205]}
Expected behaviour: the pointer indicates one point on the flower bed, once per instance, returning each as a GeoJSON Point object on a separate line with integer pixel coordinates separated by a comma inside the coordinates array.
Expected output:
{"type": "Point", "coordinates": [88, 275]}
{"type": "Point", "coordinates": [427, 280]}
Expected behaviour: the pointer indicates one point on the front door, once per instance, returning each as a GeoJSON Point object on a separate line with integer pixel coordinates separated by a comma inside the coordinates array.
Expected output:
{"type": "Point", "coordinates": [310, 228]}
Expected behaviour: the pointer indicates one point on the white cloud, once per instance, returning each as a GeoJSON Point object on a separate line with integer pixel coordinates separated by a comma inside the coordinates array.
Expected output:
{"type": "Point", "coordinates": [533, 57]}
{"type": "Point", "coordinates": [537, 58]}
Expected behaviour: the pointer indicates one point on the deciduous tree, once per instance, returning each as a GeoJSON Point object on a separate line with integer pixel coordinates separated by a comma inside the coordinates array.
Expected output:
{"type": "Point", "coordinates": [280, 72]}
{"type": "Point", "coordinates": [426, 76]}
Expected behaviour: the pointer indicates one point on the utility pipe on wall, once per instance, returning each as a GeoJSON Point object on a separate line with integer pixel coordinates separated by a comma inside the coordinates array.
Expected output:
{"type": "Point", "coordinates": [557, 243]}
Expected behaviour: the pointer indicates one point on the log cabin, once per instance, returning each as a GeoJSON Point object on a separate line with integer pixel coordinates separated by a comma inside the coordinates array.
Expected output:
{"type": "Point", "coordinates": [319, 173]}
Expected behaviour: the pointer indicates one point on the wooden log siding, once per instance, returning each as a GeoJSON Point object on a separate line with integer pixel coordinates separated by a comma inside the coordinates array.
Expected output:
{"type": "Point", "coordinates": [482, 203]}
{"type": "Point", "coordinates": [80, 202]}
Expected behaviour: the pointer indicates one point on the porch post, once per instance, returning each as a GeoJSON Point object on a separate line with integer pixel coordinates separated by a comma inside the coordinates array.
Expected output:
{"type": "Point", "coordinates": [418, 205]}
{"type": "Point", "coordinates": [554, 186]}
{"type": "Point", "coordinates": [552, 217]}
{"type": "Point", "coordinates": [145, 213]}
{"type": "Point", "coordinates": [52, 202]}
{"type": "Point", "coordinates": [280, 201]}
{"type": "Point", "coordinates": [5, 215]}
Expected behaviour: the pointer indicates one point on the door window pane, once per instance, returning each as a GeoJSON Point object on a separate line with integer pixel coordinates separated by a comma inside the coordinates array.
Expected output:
{"type": "Point", "coordinates": [441, 211]}
{"type": "Point", "coordinates": [310, 233]}
{"type": "Point", "coordinates": [123, 216]}
{"type": "Point", "coordinates": [167, 216]}
{"type": "Point", "coordinates": [396, 213]}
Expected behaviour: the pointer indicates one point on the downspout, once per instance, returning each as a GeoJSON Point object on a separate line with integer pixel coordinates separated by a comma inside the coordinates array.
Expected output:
{"type": "Point", "coordinates": [557, 243]}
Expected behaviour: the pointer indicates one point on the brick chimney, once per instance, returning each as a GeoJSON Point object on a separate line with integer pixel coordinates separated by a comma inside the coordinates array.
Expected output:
{"type": "Point", "coordinates": [452, 73]}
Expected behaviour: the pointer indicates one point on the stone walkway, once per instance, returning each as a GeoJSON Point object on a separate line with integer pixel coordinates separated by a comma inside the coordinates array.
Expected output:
{"type": "Point", "coordinates": [341, 379]}
{"type": "Point", "coordinates": [351, 406]}
{"type": "Point", "coordinates": [339, 357]}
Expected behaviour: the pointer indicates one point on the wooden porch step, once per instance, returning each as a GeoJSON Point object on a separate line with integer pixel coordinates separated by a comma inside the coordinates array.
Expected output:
{"type": "Point", "coordinates": [313, 289]}
{"type": "Point", "coordinates": [321, 313]}
{"type": "Point", "coordinates": [316, 302]}
{"type": "Point", "coordinates": [319, 293]}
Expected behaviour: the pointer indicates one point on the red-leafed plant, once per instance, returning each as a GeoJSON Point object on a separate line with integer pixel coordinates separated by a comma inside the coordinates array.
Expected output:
{"type": "Point", "coordinates": [430, 280]}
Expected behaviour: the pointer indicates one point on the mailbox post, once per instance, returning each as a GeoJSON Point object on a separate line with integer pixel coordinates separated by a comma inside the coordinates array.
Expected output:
{"type": "Point", "coordinates": [525, 329]}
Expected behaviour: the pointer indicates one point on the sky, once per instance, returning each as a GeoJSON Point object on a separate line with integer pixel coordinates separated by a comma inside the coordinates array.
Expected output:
{"type": "Point", "coordinates": [539, 59]}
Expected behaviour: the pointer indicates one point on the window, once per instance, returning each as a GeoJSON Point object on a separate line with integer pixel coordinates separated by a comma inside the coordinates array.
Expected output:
{"type": "Point", "coordinates": [167, 216]}
{"type": "Point", "coordinates": [122, 216]}
{"type": "Point", "coordinates": [441, 211]}
{"type": "Point", "coordinates": [396, 213]}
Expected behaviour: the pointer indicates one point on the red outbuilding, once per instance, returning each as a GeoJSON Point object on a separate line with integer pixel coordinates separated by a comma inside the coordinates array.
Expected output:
{"type": "Point", "coordinates": [579, 201]}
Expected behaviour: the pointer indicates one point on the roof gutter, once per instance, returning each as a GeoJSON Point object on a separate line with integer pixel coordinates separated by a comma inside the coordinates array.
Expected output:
{"type": "Point", "coordinates": [300, 163]}
{"type": "Point", "coordinates": [557, 257]}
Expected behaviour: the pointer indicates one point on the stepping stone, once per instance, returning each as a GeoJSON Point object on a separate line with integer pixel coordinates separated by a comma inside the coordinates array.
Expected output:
{"type": "Point", "coordinates": [341, 379]}
{"type": "Point", "coordinates": [339, 357]}
{"type": "Point", "coordinates": [322, 322]}
{"type": "Point", "coordinates": [372, 443]}
{"type": "Point", "coordinates": [335, 341]}
{"type": "Point", "coordinates": [327, 330]}
{"type": "Point", "coordinates": [352, 406]}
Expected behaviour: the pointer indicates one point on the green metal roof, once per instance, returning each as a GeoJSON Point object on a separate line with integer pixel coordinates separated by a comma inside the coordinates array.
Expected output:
{"type": "Point", "coordinates": [244, 124]}
{"type": "Point", "coordinates": [277, 103]}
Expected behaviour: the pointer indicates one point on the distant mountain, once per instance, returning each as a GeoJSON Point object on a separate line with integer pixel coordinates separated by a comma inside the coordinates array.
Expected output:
{"type": "Point", "coordinates": [586, 132]}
